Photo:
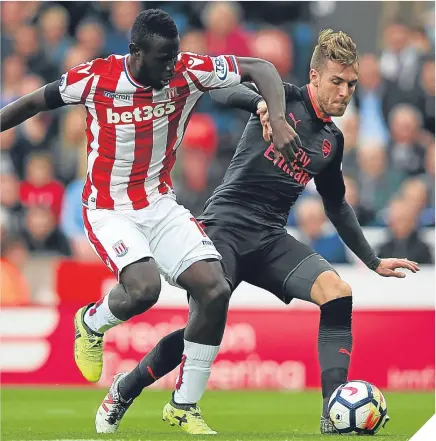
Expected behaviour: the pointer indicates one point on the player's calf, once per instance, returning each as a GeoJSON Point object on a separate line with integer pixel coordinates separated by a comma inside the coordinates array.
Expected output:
{"type": "Point", "coordinates": [138, 291]}
{"type": "Point", "coordinates": [203, 334]}
{"type": "Point", "coordinates": [334, 337]}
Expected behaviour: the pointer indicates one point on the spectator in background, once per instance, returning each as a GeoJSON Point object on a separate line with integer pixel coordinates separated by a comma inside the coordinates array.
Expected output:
{"type": "Point", "coordinates": [12, 16]}
{"type": "Point", "coordinates": [427, 96]}
{"type": "Point", "coordinates": [197, 153]}
{"type": "Point", "coordinates": [14, 289]}
{"type": "Point", "coordinates": [224, 34]}
{"type": "Point", "coordinates": [400, 60]}
{"type": "Point", "coordinates": [7, 141]}
{"type": "Point", "coordinates": [312, 223]}
{"type": "Point", "coordinates": [53, 26]}
{"type": "Point", "coordinates": [71, 217]}
{"type": "Point", "coordinates": [40, 186]}
{"type": "Point", "coordinates": [419, 40]}
{"type": "Point", "coordinates": [122, 16]}
{"type": "Point", "coordinates": [13, 71]}
{"type": "Point", "coordinates": [377, 182]}
{"type": "Point", "coordinates": [75, 56]}
{"type": "Point", "coordinates": [369, 99]}
{"type": "Point", "coordinates": [275, 46]}
{"type": "Point", "coordinates": [70, 144]}
{"type": "Point", "coordinates": [41, 233]}
{"type": "Point", "coordinates": [91, 36]}
{"type": "Point", "coordinates": [35, 133]}
{"type": "Point", "coordinates": [404, 241]}
{"type": "Point", "coordinates": [194, 41]}
{"type": "Point", "coordinates": [10, 202]}
{"type": "Point", "coordinates": [26, 45]}
{"type": "Point", "coordinates": [414, 192]}
{"type": "Point", "coordinates": [429, 176]}
{"type": "Point", "coordinates": [401, 63]}
{"type": "Point", "coordinates": [364, 215]}
{"type": "Point", "coordinates": [406, 153]}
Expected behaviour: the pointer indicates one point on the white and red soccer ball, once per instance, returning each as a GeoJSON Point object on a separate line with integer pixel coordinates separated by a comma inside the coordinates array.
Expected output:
{"type": "Point", "coordinates": [359, 407]}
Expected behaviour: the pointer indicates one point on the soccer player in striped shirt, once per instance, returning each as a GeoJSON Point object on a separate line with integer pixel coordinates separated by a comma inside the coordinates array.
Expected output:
{"type": "Point", "coordinates": [138, 106]}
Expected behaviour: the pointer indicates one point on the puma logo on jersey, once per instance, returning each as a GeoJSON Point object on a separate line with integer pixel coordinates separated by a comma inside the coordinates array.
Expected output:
{"type": "Point", "coordinates": [296, 121]}
{"type": "Point", "coordinates": [139, 114]}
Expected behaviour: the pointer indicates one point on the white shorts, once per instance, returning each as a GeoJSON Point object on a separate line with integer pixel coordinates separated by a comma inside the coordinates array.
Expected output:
{"type": "Point", "coordinates": [165, 231]}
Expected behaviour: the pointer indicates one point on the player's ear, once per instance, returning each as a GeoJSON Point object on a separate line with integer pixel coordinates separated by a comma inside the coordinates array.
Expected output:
{"type": "Point", "coordinates": [134, 49]}
{"type": "Point", "coordinates": [314, 77]}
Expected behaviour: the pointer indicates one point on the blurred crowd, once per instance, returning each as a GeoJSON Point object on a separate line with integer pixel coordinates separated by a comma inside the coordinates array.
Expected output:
{"type": "Point", "coordinates": [389, 128]}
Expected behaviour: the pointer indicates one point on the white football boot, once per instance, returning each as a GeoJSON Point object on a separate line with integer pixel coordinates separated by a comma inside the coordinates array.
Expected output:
{"type": "Point", "coordinates": [112, 408]}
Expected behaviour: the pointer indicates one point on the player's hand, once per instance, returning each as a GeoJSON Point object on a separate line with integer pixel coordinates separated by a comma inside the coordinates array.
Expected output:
{"type": "Point", "coordinates": [262, 111]}
{"type": "Point", "coordinates": [387, 267]}
{"type": "Point", "coordinates": [285, 138]}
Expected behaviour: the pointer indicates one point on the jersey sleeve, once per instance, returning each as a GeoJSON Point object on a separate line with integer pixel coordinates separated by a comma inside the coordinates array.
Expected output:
{"type": "Point", "coordinates": [74, 85]}
{"type": "Point", "coordinates": [209, 73]}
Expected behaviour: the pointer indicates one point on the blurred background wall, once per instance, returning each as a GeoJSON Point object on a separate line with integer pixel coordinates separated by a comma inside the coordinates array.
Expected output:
{"type": "Point", "coordinates": [389, 130]}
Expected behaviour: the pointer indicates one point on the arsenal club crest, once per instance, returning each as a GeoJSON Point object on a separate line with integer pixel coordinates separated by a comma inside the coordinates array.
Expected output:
{"type": "Point", "coordinates": [326, 148]}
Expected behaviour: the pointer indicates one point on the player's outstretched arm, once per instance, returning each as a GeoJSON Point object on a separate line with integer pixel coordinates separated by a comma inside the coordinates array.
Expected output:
{"type": "Point", "coordinates": [270, 86]}
{"type": "Point", "coordinates": [241, 96]}
{"type": "Point", "coordinates": [331, 187]}
{"type": "Point", "coordinates": [29, 105]}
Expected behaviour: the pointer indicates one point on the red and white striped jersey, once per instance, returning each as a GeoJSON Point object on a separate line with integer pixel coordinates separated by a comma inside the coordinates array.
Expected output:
{"type": "Point", "coordinates": [133, 131]}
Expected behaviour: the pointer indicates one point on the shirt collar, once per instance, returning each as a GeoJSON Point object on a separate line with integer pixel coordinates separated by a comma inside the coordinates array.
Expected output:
{"type": "Point", "coordinates": [311, 105]}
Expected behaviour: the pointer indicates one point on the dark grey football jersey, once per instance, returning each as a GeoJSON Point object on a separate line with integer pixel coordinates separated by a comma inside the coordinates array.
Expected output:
{"type": "Point", "coordinates": [261, 189]}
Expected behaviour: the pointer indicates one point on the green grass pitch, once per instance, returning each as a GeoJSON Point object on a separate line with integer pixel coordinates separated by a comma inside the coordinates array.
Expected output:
{"type": "Point", "coordinates": [68, 414]}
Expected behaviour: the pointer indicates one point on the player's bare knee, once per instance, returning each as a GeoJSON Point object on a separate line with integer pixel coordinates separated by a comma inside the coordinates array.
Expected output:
{"type": "Point", "coordinates": [216, 298]}
{"type": "Point", "coordinates": [143, 293]}
{"type": "Point", "coordinates": [329, 286]}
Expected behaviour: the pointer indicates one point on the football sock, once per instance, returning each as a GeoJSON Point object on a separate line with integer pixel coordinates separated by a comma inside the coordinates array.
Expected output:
{"type": "Point", "coordinates": [161, 360]}
{"type": "Point", "coordinates": [334, 345]}
{"type": "Point", "coordinates": [194, 372]}
{"type": "Point", "coordinates": [99, 317]}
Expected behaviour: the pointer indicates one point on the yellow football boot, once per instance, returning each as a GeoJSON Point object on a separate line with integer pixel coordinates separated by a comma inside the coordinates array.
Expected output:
{"type": "Point", "coordinates": [88, 348]}
{"type": "Point", "coordinates": [189, 420]}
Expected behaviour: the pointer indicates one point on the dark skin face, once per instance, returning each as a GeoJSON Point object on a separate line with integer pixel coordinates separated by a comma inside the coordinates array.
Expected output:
{"type": "Point", "coordinates": [153, 65]}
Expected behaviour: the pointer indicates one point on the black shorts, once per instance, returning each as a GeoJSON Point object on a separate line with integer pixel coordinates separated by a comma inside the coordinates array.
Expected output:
{"type": "Point", "coordinates": [268, 258]}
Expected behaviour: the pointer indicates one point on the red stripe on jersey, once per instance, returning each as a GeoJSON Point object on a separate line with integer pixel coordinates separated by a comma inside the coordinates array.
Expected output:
{"type": "Point", "coordinates": [104, 256]}
{"type": "Point", "coordinates": [90, 139]}
{"type": "Point", "coordinates": [232, 63]}
{"type": "Point", "coordinates": [86, 90]}
{"type": "Point", "coordinates": [197, 83]}
{"type": "Point", "coordinates": [173, 125]}
{"type": "Point", "coordinates": [142, 157]}
{"type": "Point", "coordinates": [102, 169]}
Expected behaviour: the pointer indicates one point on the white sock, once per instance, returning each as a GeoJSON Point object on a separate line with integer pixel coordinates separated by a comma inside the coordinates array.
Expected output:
{"type": "Point", "coordinates": [194, 372]}
{"type": "Point", "coordinates": [100, 318]}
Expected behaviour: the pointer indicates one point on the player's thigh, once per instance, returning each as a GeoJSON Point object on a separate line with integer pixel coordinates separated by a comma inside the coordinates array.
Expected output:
{"type": "Point", "coordinates": [289, 268]}
{"type": "Point", "coordinates": [116, 238]}
{"type": "Point", "coordinates": [228, 245]}
{"type": "Point", "coordinates": [177, 241]}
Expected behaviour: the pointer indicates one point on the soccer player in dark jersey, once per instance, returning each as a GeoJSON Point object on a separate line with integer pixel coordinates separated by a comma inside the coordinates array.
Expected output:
{"type": "Point", "coordinates": [247, 214]}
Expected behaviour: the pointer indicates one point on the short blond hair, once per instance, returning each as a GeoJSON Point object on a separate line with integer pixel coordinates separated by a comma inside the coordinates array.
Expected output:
{"type": "Point", "coordinates": [334, 46]}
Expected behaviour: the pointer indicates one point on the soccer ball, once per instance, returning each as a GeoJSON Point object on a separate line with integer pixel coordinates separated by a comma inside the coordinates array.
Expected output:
{"type": "Point", "coordinates": [358, 406]}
